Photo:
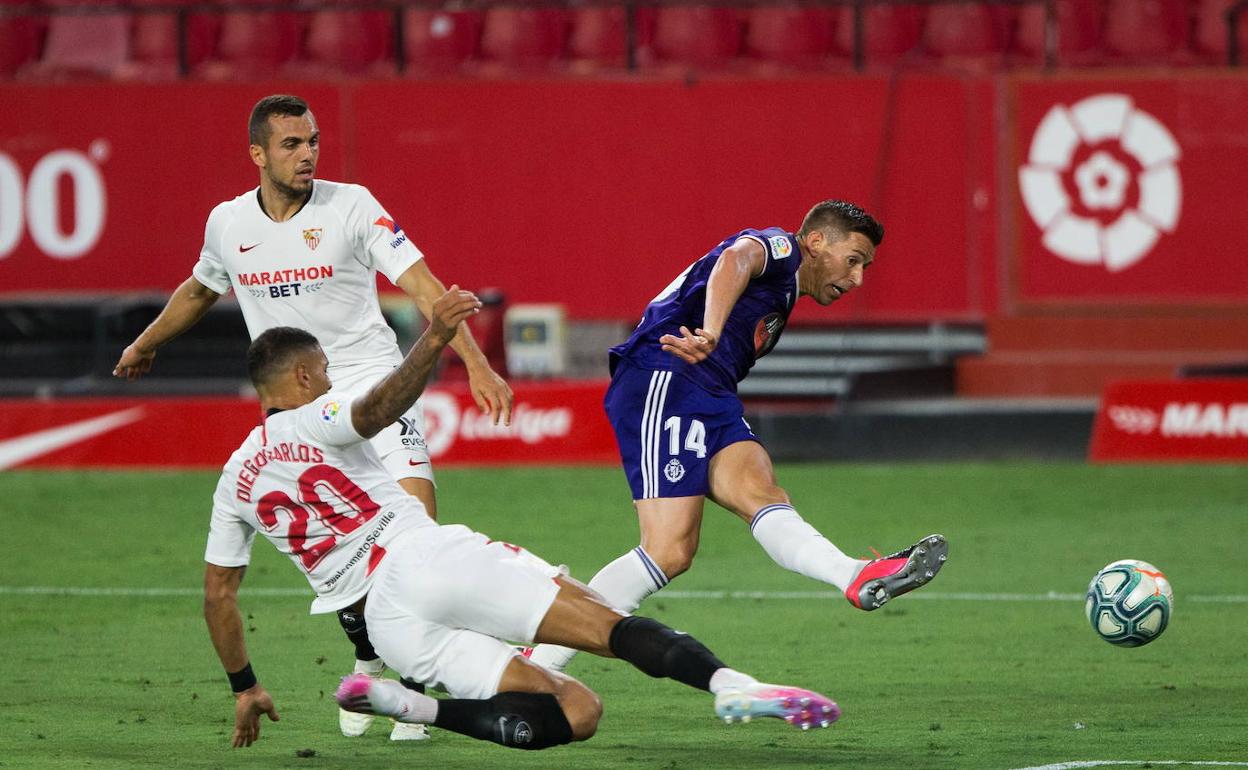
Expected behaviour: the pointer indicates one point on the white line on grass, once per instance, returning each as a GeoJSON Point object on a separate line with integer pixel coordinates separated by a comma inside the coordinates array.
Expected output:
{"type": "Point", "coordinates": [1049, 596]}
{"type": "Point", "coordinates": [1138, 762]}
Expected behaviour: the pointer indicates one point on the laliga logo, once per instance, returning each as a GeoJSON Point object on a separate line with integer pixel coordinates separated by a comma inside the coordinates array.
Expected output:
{"type": "Point", "coordinates": [1101, 181]}
{"type": "Point", "coordinates": [444, 423]}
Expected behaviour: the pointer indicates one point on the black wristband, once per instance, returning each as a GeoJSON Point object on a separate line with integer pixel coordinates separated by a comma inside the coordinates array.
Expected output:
{"type": "Point", "coordinates": [241, 680]}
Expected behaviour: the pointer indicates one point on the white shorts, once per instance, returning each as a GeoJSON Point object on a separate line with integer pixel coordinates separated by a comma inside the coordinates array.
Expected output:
{"type": "Point", "coordinates": [402, 447]}
{"type": "Point", "coordinates": [446, 602]}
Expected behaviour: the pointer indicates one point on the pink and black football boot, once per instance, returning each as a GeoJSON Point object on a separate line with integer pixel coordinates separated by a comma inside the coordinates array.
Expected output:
{"type": "Point", "coordinates": [890, 576]}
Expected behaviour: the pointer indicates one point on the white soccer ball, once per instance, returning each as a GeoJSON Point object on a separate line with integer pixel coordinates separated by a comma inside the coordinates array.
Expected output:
{"type": "Point", "coordinates": [1129, 603]}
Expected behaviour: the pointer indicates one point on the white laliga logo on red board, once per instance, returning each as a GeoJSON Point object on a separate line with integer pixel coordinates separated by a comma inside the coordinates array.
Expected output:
{"type": "Point", "coordinates": [445, 423]}
{"type": "Point", "coordinates": [1101, 181]}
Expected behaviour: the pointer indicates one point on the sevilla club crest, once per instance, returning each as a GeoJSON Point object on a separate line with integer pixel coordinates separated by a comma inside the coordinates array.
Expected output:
{"type": "Point", "coordinates": [312, 237]}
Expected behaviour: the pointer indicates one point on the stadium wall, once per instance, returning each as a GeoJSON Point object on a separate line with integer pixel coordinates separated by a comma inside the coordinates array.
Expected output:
{"type": "Point", "coordinates": [590, 193]}
{"type": "Point", "coordinates": [551, 189]}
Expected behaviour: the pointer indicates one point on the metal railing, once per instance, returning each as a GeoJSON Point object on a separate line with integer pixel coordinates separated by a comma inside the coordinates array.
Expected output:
{"type": "Point", "coordinates": [1232, 32]}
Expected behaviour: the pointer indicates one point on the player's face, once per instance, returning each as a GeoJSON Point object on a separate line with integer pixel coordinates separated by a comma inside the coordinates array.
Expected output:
{"type": "Point", "coordinates": [289, 159]}
{"type": "Point", "coordinates": [316, 372]}
{"type": "Point", "coordinates": [834, 268]}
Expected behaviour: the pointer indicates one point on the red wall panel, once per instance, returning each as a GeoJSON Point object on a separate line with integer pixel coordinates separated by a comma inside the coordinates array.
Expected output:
{"type": "Point", "coordinates": [593, 194]}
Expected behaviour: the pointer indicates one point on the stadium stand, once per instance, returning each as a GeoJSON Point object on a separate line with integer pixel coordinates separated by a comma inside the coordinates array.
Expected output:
{"type": "Point", "coordinates": [253, 43]}
{"type": "Point", "coordinates": [790, 35]}
{"type": "Point", "coordinates": [154, 42]}
{"type": "Point", "coordinates": [967, 35]}
{"type": "Point", "coordinates": [229, 39]}
{"type": "Point", "coordinates": [439, 42]}
{"type": "Point", "coordinates": [697, 36]}
{"type": "Point", "coordinates": [599, 38]}
{"type": "Point", "coordinates": [1078, 29]}
{"type": "Point", "coordinates": [876, 361]}
{"type": "Point", "coordinates": [20, 39]}
{"type": "Point", "coordinates": [81, 45]}
{"type": "Point", "coordinates": [346, 42]}
{"type": "Point", "coordinates": [1209, 36]}
{"type": "Point", "coordinates": [889, 33]}
{"type": "Point", "coordinates": [1146, 31]}
{"type": "Point", "coordinates": [522, 39]}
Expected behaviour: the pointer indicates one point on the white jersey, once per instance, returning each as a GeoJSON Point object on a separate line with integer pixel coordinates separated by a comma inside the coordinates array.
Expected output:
{"type": "Point", "coordinates": [320, 494]}
{"type": "Point", "coordinates": [316, 271]}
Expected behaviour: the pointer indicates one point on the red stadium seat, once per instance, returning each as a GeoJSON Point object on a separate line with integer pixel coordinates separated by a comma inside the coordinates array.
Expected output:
{"type": "Point", "coordinates": [1146, 31]}
{"type": "Point", "coordinates": [789, 35]}
{"type": "Point", "coordinates": [1209, 38]}
{"type": "Point", "coordinates": [599, 36]}
{"type": "Point", "coordinates": [1079, 29]}
{"type": "Point", "coordinates": [889, 32]}
{"type": "Point", "coordinates": [697, 35]}
{"type": "Point", "coordinates": [82, 45]}
{"type": "Point", "coordinates": [524, 38]}
{"type": "Point", "coordinates": [154, 42]}
{"type": "Point", "coordinates": [346, 43]}
{"type": "Point", "coordinates": [20, 38]}
{"type": "Point", "coordinates": [966, 33]}
{"type": "Point", "coordinates": [253, 44]}
{"type": "Point", "coordinates": [440, 41]}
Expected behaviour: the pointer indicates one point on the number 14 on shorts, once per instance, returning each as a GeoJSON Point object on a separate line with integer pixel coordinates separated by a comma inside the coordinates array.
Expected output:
{"type": "Point", "coordinates": [695, 439]}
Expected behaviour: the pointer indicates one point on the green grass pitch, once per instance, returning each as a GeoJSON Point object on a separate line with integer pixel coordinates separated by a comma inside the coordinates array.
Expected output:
{"type": "Point", "coordinates": [951, 680]}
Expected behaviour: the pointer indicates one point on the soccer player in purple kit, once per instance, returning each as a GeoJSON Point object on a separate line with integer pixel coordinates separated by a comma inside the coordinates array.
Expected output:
{"type": "Point", "coordinates": [681, 428]}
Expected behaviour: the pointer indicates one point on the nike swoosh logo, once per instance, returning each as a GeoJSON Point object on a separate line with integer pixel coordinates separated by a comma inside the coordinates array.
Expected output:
{"type": "Point", "coordinates": [413, 462]}
{"type": "Point", "coordinates": [19, 449]}
{"type": "Point", "coordinates": [243, 249]}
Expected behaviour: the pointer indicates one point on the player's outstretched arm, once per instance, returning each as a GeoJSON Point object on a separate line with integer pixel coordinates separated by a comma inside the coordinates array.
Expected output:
{"type": "Point", "coordinates": [491, 392]}
{"type": "Point", "coordinates": [738, 263]}
{"type": "Point", "coordinates": [185, 307]}
{"type": "Point", "coordinates": [398, 390]}
{"type": "Point", "coordinates": [225, 626]}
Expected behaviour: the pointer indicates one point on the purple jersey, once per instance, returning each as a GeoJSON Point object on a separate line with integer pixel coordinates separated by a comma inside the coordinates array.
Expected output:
{"type": "Point", "coordinates": [752, 328]}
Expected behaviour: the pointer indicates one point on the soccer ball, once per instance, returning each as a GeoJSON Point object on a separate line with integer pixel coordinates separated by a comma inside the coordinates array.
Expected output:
{"type": "Point", "coordinates": [1129, 603]}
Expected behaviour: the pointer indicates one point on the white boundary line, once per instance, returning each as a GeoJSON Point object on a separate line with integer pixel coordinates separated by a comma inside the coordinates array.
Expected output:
{"type": "Point", "coordinates": [1136, 762]}
{"type": "Point", "coordinates": [1050, 596]}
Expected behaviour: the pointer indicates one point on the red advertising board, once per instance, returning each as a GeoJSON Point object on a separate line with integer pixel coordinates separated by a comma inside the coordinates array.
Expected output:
{"type": "Point", "coordinates": [593, 194]}
{"type": "Point", "coordinates": [1129, 191]}
{"type": "Point", "coordinates": [552, 423]}
{"type": "Point", "coordinates": [1172, 420]}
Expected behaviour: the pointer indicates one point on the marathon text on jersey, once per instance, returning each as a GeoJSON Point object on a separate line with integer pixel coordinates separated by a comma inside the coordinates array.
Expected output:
{"type": "Point", "coordinates": [285, 452]}
{"type": "Point", "coordinates": [292, 275]}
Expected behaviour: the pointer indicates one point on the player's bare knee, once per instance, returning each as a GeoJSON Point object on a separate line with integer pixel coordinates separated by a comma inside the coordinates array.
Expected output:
{"type": "Point", "coordinates": [674, 558]}
{"type": "Point", "coordinates": [581, 707]}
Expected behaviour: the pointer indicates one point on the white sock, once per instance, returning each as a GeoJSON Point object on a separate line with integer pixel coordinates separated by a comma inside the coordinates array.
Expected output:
{"type": "Point", "coordinates": [729, 679]}
{"type": "Point", "coordinates": [624, 583]}
{"type": "Point", "coordinates": [797, 546]}
{"type": "Point", "coordinates": [391, 699]}
{"type": "Point", "coordinates": [372, 667]}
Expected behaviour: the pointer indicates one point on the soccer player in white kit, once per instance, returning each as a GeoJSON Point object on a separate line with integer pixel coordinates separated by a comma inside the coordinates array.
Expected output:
{"type": "Point", "coordinates": [302, 252]}
{"type": "Point", "coordinates": [441, 601]}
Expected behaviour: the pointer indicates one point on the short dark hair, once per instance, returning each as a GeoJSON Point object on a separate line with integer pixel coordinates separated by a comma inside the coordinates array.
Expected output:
{"type": "Point", "coordinates": [843, 217]}
{"type": "Point", "coordinates": [258, 129]}
{"type": "Point", "coordinates": [272, 351]}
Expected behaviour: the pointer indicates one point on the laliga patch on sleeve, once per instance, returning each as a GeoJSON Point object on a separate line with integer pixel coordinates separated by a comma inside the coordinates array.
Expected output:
{"type": "Point", "coordinates": [780, 246]}
{"type": "Point", "coordinates": [329, 412]}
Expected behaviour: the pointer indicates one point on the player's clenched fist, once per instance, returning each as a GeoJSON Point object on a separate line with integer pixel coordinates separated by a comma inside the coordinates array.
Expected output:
{"type": "Point", "coordinates": [449, 310]}
{"type": "Point", "coordinates": [248, 706]}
